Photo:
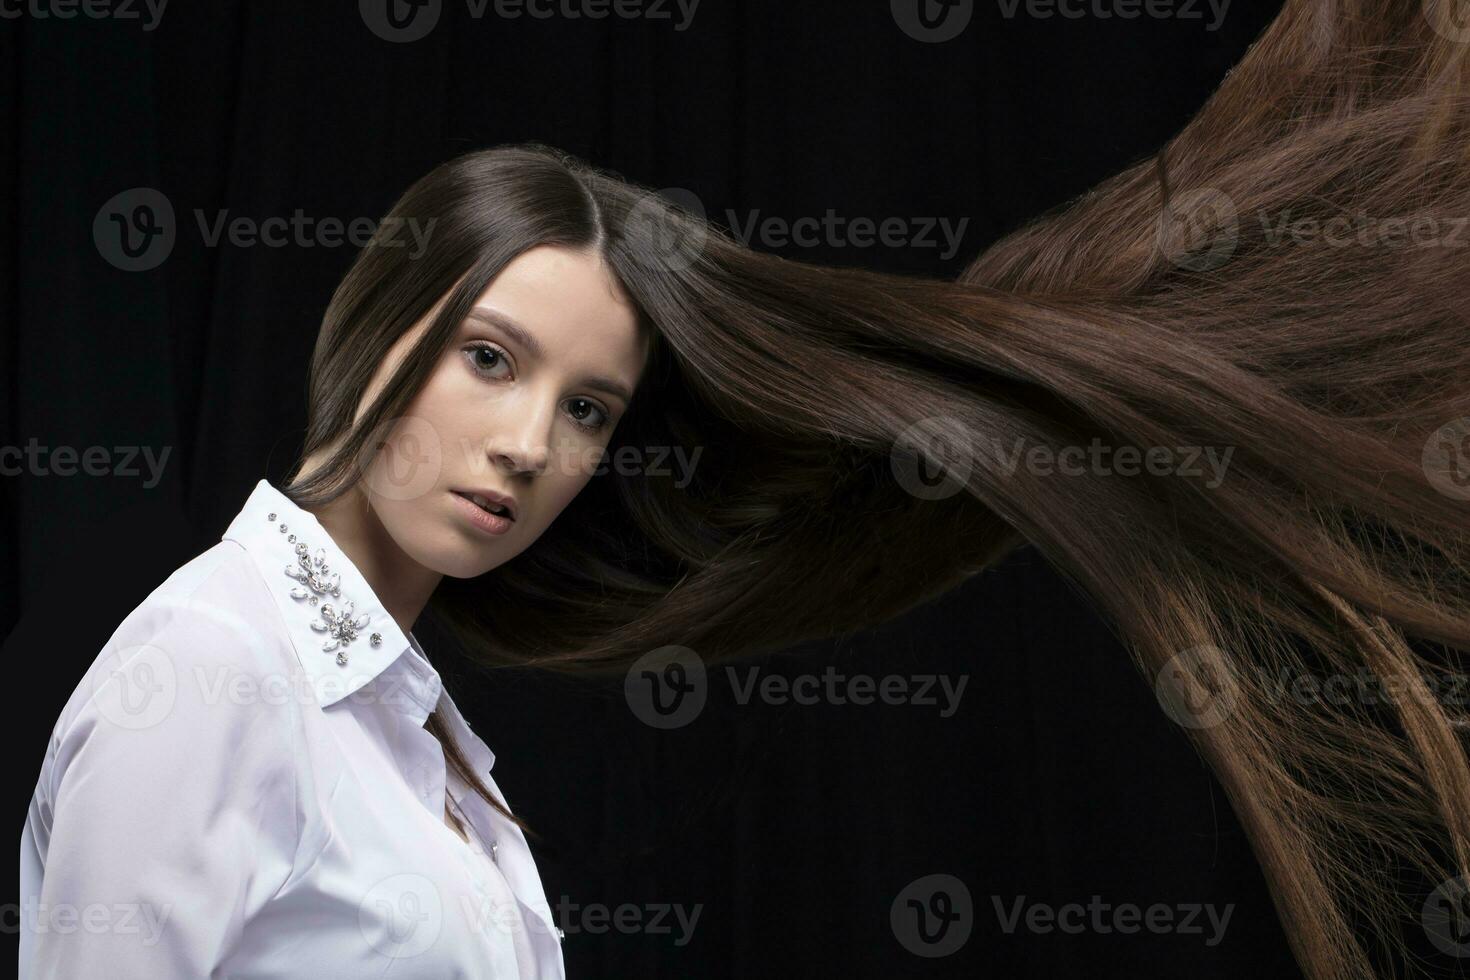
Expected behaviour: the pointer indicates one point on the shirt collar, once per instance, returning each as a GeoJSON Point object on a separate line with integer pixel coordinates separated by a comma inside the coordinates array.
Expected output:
{"type": "Point", "coordinates": [340, 655]}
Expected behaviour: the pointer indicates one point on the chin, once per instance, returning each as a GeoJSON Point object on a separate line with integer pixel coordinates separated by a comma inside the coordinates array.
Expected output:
{"type": "Point", "coordinates": [469, 557]}
{"type": "Point", "coordinates": [472, 566]}
{"type": "Point", "coordinates": [459, 559]}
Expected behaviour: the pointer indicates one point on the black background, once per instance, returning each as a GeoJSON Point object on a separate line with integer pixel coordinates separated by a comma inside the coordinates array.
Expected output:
{"type": "Point", "coordinates": [793, 827]}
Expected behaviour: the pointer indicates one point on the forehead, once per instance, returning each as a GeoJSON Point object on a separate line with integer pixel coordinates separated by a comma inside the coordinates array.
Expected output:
{"type": "Point", "coordinates": [564, 295]}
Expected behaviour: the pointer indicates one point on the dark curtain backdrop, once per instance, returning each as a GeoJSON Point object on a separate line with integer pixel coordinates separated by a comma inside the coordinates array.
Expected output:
{"type": "Point", "coordinates": [791, 828]}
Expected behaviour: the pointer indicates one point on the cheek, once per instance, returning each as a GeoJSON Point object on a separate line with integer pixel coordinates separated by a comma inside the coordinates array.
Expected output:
{"type": "Point", "coordinates": [429, 438]}
{"type": "Point", "coordinates": [406, 521]}
{"type": "Point", "coordinates": [409, 463]}
{"type": "Point", "coordinates": [451, 400]}
{"type": "Point", "coordinates": [574, 459]}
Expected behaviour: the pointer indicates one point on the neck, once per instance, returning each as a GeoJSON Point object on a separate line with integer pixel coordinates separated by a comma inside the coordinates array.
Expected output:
{"type": "Point", "coordinates": [400, 583]}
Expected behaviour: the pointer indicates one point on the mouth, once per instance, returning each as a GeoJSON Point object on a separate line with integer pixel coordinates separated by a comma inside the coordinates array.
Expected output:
{"type": "Point", "coordinates": [490, 504]}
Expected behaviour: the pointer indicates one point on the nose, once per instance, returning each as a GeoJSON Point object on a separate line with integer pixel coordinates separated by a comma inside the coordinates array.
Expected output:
{"type": "Point", "coordinates": [518, 442]}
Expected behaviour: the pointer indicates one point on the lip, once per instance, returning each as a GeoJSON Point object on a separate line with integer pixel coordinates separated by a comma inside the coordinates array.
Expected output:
{"type": "Point", "coordinates": [494, 496]}
{"type": "Point", "coordinates": [482, 519]}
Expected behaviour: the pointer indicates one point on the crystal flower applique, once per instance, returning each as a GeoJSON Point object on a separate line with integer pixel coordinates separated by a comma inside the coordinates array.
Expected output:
{"type": "Point", "coordinates": [313, 573]}
{"type": "Point", "coordinates": [341, 627]}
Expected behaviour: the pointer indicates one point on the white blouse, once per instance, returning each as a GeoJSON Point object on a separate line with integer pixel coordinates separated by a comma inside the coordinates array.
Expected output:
{"type": "Point", "coordinates": [241, 786]}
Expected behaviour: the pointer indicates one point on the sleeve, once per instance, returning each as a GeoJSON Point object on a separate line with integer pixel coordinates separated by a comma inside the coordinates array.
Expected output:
{"type": "Point", "coordinates": [166, 814]}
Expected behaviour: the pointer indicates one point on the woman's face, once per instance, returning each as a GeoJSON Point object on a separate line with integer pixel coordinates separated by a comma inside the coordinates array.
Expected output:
{"type": "Point", "coordinates": [521, 405]}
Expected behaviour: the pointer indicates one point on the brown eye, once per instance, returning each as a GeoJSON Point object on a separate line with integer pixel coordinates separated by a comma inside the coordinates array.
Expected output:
{"type": "Point", "coordinates": [486, 360]}
{"type": "Point", "coordinates": [586, 407]}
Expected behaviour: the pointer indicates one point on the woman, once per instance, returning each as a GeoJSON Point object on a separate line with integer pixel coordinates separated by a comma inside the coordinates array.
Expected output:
{"type": "Point", "coordinates": [1244, 292]}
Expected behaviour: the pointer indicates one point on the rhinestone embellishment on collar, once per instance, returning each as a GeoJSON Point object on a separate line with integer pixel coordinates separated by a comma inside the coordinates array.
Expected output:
{"type": "Point", "coordinates": [341, 626]}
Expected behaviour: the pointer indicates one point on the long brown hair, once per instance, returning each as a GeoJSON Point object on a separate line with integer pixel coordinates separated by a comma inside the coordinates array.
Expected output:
{"type": "Point", "coordinates": [1167, 308]}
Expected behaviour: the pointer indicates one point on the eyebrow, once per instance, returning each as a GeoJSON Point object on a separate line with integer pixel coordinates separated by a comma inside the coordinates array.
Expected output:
{"type": "Point", "coordinates": [522, 336]}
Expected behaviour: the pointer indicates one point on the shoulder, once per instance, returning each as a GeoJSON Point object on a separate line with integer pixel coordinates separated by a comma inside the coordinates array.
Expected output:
{"type": "Point", "coordinates": [174, 759]}
{"type": "Point", "coordinates": [192, 663]}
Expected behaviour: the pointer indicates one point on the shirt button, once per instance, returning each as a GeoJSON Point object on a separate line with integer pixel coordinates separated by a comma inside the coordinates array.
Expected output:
{"type": "Point", "coordinates": [494, 849]}
{"type": "Point", "coordinates": [559, 934]}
